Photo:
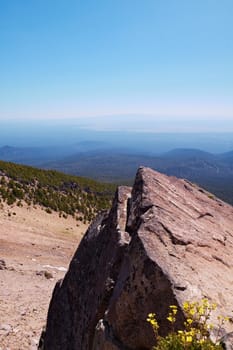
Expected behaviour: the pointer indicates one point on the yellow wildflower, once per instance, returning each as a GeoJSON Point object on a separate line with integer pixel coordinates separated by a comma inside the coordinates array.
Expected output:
{"type": "Point", "coordinates": [189, 338]}
{"type": "Point", "coordinates": [170, 318]}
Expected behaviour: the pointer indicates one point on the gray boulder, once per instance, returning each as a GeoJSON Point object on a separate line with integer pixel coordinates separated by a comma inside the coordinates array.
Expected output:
{"type": "Point", "coordinates": [164, 242]}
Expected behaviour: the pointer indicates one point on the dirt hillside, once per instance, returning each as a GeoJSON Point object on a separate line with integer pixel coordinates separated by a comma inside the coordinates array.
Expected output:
{"type": "Point", "coordinates": [35, 250]}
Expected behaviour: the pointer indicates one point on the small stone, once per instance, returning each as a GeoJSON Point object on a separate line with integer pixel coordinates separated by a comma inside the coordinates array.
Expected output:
{"type": "Point", "coordinates": [48, 274]}
{"type": "Point", "coordinates": [2, 264]}
{"type": "Point", "coordinates": [16, 330]}
{"type": "Point", "coordinates": [227, 341]}
{"type": "Point", "coordinates": [39, 273]}
{"type": "Point", "coordinates": [11, 268]}
{"type": "Point", "coordinates": [5, 327]}
{"type": "Point", "coordinates": [34, 341]}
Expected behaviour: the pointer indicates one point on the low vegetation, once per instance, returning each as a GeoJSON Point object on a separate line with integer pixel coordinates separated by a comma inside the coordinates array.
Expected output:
{"type": "Point", "coordinates": [69, 195]}
{"type": "Point", "coordinates": [195, 334]}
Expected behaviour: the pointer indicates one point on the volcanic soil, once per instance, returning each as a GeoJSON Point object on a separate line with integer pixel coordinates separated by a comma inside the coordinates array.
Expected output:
{"type": "Point", "coordinates": [35, 250]}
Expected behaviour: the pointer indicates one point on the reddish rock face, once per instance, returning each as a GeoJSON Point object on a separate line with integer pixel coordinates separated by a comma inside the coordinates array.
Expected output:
{"type": "Point", "coordinates": [164, 242]}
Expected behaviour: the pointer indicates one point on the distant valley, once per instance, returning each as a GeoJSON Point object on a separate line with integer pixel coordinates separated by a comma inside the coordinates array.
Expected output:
{"type": "Point", "coordinates": [212, 171]}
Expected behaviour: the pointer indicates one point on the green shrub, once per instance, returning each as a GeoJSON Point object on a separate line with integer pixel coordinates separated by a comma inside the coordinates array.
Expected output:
{"type": "Point", "coordinates": [67, 194]}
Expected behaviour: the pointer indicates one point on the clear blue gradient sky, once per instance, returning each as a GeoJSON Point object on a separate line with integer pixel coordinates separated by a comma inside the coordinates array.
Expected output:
{"type": "Point", "coordinates": [76, 58]}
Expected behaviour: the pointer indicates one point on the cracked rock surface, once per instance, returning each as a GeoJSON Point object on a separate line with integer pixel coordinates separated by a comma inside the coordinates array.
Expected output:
{"type": "Point", "coordinates": [164, 241]}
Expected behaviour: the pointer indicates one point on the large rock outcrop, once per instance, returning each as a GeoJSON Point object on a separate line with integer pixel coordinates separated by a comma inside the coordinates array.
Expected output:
{"type": "Point", "coordinates": [163, 242]}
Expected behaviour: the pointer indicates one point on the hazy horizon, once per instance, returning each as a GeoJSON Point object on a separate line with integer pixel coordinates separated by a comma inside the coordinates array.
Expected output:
{"type": "Point", "coordinates": [143, 77]}
{"type": "Point", "coordinates": [132, 135]}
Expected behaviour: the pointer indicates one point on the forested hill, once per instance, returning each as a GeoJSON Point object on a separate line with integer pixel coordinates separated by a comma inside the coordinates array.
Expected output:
{"type": "Point", "coordinates": [69, 195]}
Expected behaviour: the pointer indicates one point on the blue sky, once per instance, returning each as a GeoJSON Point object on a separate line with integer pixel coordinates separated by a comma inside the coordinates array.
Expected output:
{"type": "Point", "coordinates": [167, 59]}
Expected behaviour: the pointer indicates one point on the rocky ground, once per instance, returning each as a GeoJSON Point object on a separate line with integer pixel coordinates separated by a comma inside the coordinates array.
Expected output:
{"type": "Point", "coordinates": [35, 250]}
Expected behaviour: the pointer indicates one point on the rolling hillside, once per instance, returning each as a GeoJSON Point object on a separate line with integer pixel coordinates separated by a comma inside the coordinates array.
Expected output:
{"type": "Point", "coordinates": [69, 195]}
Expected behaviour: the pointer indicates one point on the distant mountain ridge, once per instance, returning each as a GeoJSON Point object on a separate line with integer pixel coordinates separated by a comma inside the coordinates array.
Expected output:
{"type": "Point", "coordinates": [31, 155]}
{"type": "Point", "coordinates": [212, 171]}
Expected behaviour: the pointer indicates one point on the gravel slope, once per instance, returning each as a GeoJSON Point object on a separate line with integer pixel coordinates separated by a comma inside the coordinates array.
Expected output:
{"type": "Point", "coordinates": [35, 250]}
